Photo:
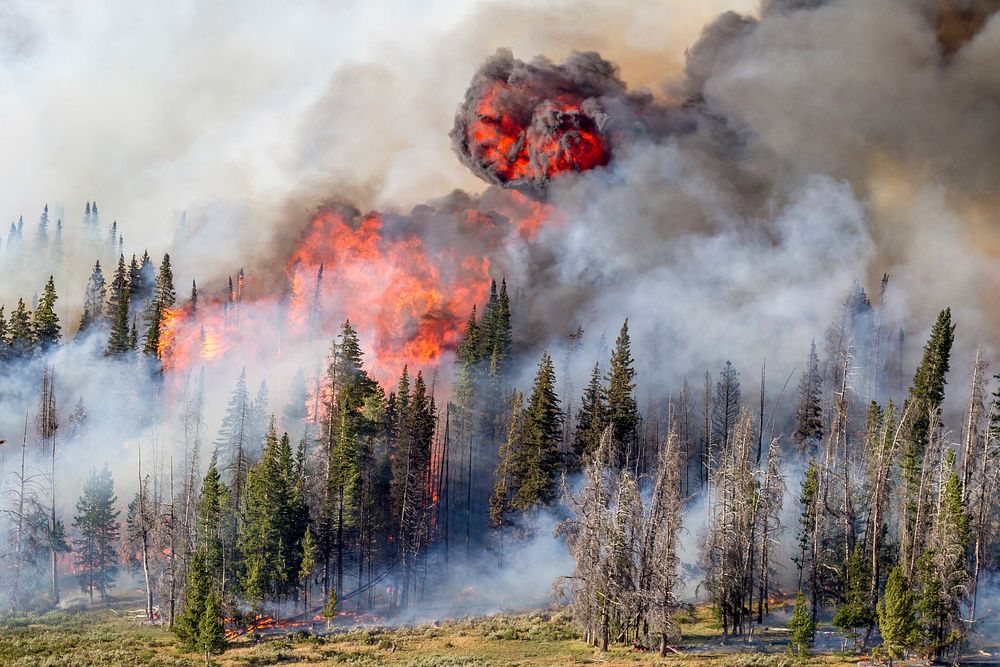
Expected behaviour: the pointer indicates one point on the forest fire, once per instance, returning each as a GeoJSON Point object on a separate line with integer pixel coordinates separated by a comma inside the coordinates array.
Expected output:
{"type": "Point", "coordinates": [523, 124]}
{"type": "Point", "coordinates": [409, 304]}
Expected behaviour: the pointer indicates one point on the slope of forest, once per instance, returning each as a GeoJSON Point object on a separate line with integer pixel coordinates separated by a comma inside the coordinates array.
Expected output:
{"type": "Point", "coordinates": [651, 374]}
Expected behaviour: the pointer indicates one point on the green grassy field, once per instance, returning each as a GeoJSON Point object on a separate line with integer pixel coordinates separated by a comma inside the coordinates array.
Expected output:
{"type": "Point", "coordinates": [110, 637]}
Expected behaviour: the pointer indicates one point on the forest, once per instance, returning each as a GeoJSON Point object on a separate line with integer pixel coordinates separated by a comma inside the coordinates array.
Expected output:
{"type": "Point", "coordinates": [359, 496]}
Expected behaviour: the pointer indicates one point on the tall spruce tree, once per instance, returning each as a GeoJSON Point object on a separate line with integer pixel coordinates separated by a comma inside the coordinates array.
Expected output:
{"type": "Point", "coordinates": [20, 333]}
{"type": "Point", "coordinates": [118, 307]}
{"type": "Point", "coordinates": [591, 419]}
{"type": "Point", "coordinates": [45, 321]}
{"type": "Point", "coordinates": [897, 622]}
{"type": "Point", "coordinates": [623, 411]}
{"type": "Point", "coordinates": [808, 431]}
{"type": "Point", "coordinates": [536, 465]}
{"type": "Point", "coordinates": [96, 523]}
{"type": "Point", "coordinates": [93, 300]}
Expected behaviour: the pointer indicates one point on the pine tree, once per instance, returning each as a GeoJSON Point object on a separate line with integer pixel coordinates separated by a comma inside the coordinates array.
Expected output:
{"type": "Point", "coordinates": [802, 626]}
{"type": "Point", "coordinates": [728, 401]}
{"type": "Point", "coordinates": [943, 569]}
{"type": "Point", "coordinates": [856, 613]}
{"type": "Point", "coordinates": [536, 465]}
{"type": "Point", "coordinates": [512, 446]}
{"type": "Point", "coordinates": [809, 414]}
{"type": "Point", "coordinates": [211, 633]}
{"type": "Point", "coordinates": [46, 322]}
{"type": "Point", "coordinates": [4, 352]}
{"type": "Point", "coordinates": [623, 412]}
{"type": "Point", "coordinates": [307, 565]}
{"type": "Point", "coordinates": [921, 410]}
{"type": "Point", "coordinates": [97, 525]}
{"type": "Point", "coordinates": [93, 300]}
{"type": "Point", "coordinates": [591, 419]}
{"type": "Point", "coordinates": [151, 346]}
{"type": "Point", "coordinates": [21, 335]}
{"type": "Point", "coordinates": [118, 306]}
{"type": "Point", "coordinates": [164, 293]}
{"type": "Point", "coordinates": [896, 618]}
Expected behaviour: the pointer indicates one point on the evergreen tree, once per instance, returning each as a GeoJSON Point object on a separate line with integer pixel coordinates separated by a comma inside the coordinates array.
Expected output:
{"type": "Point", "coordinates": [512, 446]}
{"type": "Point", "coordinates": [802, 626]}
{"type": "Point", "coordinates": [943, 571]}
{"type": "Point", "coordinates": [151, 346]}
{"type": "Point", "coordinates": [808, 431]}
{"type": "Point", "coordinates": [728, 402]}
{"type": "Point", "coordinates": [921, 409]}
{"type": "Point", "coordinates": [93, 300]}
{"type": "Point", "coordinates": [164, 293]}
{"type": "Point", "coordinates": [591, 418]}
{"type": "Point", "coordinates": [211, 633]}
{"type": "Point", "coordinates": [536, 465]}
{"type": "Point", "coordinates": [623, 412]}
{"type": "Point", "coordinates": [21, 335]}
{"type": "Point", "coordinates": [118, 306]}
{"type": "Point", "coordinates": [96, 523]}
{"type": "Point", "coordinates": [4, 352]}
{"type": "Point", "coordinates": [896, 618]}
{"type": "Point", "coordinates": [856, 614]}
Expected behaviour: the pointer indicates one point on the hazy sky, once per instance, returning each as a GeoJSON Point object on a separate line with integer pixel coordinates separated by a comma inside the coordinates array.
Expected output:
{"type": "Point", "coordinates": [155, 108]}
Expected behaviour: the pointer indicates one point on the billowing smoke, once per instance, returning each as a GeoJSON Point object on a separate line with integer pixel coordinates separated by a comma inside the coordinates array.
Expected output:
{"type": "Point", "coordinates": [521, 123]}
{"type": "Point", "coordinates": [726, 212]}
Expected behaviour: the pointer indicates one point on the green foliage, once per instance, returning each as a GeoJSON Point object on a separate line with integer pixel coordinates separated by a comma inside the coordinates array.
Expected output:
{"type": "Point", "coordinates": [20, 333]}
{"type": "Point", "coordinates": [856, 614]}
{"type": "Point", "coordinates": [803, 630]}
{"type": "Point", "coordinates": [536, 464]}
{"type": "Point", "coordinates": [896, 617]}
{"type": "Point", "coordinates": [45, 321]}
{"type": "Point", "coordinates": [97, 526]}
{"type": "Point", "coordinates": [623, 412]}
{"type": "Point", "coordinates": [809, 413]}
{"type": "Point", "coordinates": [591, 418]}
{"type": "Point", "coordinates": [118, 307]}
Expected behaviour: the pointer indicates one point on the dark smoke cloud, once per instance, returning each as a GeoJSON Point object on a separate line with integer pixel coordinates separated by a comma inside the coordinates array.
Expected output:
{"type": "Point", "coordinates": [521, 123]}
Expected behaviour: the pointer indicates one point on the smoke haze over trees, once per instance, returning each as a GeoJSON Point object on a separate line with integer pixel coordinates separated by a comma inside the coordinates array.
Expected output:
{"type": "Point", "coordinates": [762, 316]}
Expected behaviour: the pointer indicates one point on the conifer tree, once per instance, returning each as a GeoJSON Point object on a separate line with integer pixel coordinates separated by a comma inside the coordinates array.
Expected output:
{"type": "Point", "coordinates": [591, 418]}
{"type": "Point", "coordinates": [809, 413]}
{"type": "Point", "coordinates": [802, 626]}
{"type": "Point", "coordinates": [96, 523]}
{"type": "Point", "coordinates": [536, 465]}
{"type": "Point", "coordinates": [45, 320]}
{"type": "Point", "coordinates": [897, 621]}
{"type": "Point", "coordinates": [4, 353]}
{"type": "Point", "coordinates": [164, 293]}
{"type": "Point", "coordinates": [855, 615]}
{"type": "Point", "coordinates": [921, 410]}
{"type": "Point", "coordinates": [118, 306]}
{"type": "Point", "coordinates": [211, 633]}
{"type": "Point", "coordinates": [728, 401]}
{"type": "Point", "coordinates": [623, 411]}
{"type": "Point", "coordinates": [512, 446]}
{"type": "Point", "coordinates": [93, 300]}
{"type": "Point", "coordinates": [151, 346]}
{"type": "Point", "coordinates": [21, 335]}
{"type": "Point", "coordinates": [307, 565]}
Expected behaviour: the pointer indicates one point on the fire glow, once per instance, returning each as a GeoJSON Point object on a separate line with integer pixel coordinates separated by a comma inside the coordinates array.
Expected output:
{"type": "Point", "coordinates": [407, 300]}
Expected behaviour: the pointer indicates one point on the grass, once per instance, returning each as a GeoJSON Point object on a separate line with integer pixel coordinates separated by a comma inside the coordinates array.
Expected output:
{"type": "Point", "coordinates": [536, 639]}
